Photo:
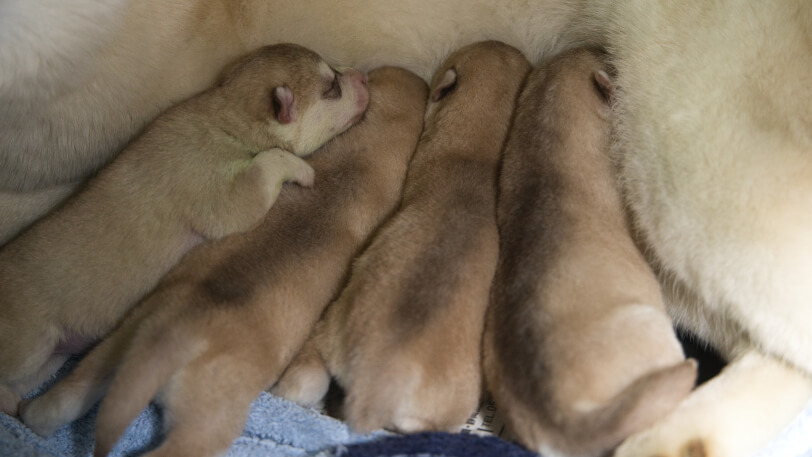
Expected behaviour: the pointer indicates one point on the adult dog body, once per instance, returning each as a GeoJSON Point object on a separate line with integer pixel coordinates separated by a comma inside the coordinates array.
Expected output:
{"type": "Point", "coordinates": [714, 127]}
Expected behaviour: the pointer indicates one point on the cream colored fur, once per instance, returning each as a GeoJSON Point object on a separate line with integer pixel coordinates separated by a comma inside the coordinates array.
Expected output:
{"type": "Point", "coordinates": [714, 155]}
{"type": "Point", "coordinates": [714, 136]}
{"type": "Point", "coordinates": [227, 320]}
{"type": "Point", "coordinates": [209, 167]}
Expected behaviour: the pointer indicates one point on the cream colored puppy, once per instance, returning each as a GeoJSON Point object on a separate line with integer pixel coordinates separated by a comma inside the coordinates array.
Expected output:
{"type": "Point", "coordinates": [227, 320]}
{"type": "Point", "coordinates": [579, 351]}
{"type": "Point", "coordinates": [404, 337]}
{"type": "Point", "coordinates": [79, 79]}
{"type": "Point", "coordinates": [209, 167]}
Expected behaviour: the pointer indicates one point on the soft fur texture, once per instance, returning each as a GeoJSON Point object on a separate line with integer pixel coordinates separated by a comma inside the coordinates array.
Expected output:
{"type": "Point", "coordinates": [713, 125]}
{"type": "Point", "coordinates": [714, 132]}
{"type": "Point", "coordinates": [570, 279]}
{"type": "Point", "coordinates": [226, 321]}
{"type": "Point", "coordinates": [207, 168]}
{"type": "Point", "coordinates": [404, 337]}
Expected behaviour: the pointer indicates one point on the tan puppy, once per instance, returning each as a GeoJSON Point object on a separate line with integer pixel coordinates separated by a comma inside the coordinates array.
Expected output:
{"type": "Point", "coordinates": [579, 351]}
{"type": "Point", "coordinates": [404, 337]}
{"type": "Point", "coordinates": [206, 168]}
{"type": "Point", "coordinates": [226, 321]}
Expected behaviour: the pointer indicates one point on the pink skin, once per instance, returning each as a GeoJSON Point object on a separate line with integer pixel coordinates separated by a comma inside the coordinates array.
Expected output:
{"type": "Point", "coordinates": [359, 84]}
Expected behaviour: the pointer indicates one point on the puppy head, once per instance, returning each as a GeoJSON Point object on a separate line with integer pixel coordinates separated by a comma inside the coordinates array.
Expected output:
{"type": "Point", "coordinates": [287, 96]}
{"type": "Point", "coordinates": [485, 76]}
{"type": "Point", "coordinates": [396, 91]}
{"type": "Point", "coordinates": [577, 82]}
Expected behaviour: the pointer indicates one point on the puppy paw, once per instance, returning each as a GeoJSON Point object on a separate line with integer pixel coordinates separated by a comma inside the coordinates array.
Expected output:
{"type": "Point", "coordinates": [303, 384]}
{"type": "Point", "coordinates": [304, 175]}
{"type": "Point", "coordinates": [41, 416]}
{"type": "Point", "coordinates": [695, 447]}
{"type": "Point", "coordinates": [277, 166]}
{"type": "Point", "coordinates": [409, 400]}
{"type": "Point", "coordinates": [9, 401]}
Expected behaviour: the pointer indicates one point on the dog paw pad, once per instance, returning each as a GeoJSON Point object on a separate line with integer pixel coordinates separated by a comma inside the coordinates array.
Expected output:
{"type": "Point", "coordinates": [694, 448]}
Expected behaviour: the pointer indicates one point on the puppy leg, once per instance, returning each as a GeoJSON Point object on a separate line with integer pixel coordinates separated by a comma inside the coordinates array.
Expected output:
{"type": "Point", "coordinates": [9, 400]}
{"type": "Point", "coordinates": [732, 415]}
{"type": "Point", "coordinates": [74, 395]}
{"type": "Point", "coordinates": [224, 384]}
{"type": "Point", "coordinates": [10, 396]}
{"type": "Point", "coordinates": [252, 192]}
{"type": "Point", "coordinates": [23, 369]}
{"type": "Point", "coordinates": [306, 379]}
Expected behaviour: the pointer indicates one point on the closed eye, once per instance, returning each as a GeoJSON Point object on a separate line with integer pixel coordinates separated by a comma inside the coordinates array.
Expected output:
{"type": "Point", "coordinates": [334, 89]}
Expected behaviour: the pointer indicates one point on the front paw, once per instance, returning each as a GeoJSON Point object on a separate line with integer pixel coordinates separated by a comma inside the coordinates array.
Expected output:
{"type": "Point", "coordinates": [279, 166]}
{"type": "Point", "coordinates": [304, 174]}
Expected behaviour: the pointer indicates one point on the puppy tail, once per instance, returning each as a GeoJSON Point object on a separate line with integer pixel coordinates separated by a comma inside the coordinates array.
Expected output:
{"type": "Point", "coordinates": [152, 358]}
{"type": "Point", "coordinates": [636, 407]}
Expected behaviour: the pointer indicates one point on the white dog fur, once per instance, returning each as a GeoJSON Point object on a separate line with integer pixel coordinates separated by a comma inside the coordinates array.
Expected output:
{"type": "Point", "coordinates": [715, 135]}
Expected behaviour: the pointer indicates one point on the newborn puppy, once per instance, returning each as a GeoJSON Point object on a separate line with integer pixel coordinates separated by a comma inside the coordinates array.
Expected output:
{"type": "Point", "coordinates": [404, 337]}
{"type": "Point", "coordinates": [211, 166]}
{"type": "Point", "coordinates": [579, 352]}
{"type": "Point", "coordinates": [226, 321]}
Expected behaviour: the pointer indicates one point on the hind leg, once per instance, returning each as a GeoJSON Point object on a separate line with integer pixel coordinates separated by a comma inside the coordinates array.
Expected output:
{"type": "Point", "coordinates": [26, 360]}
{"type": "Point", "coordinates": [735, 414]}
{"type": "Point", "coordinates": [74, 395]}
{"type": "Point", "coordinates": [306, 379]}
{"type": "Point", "coordinates": [223, 384]}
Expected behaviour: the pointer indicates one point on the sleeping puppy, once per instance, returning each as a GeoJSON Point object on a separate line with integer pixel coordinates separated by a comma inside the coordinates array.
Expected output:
{"type": "Point", "coordinates": [713, 125]}
{"type": "Point", "coordinates": [404, 337]}
{"type": "Point", "coordinates": [209, 167]}
{"type": "Point", "coordinates": [78, 79]}
{"type": "Point", "coordinates": [226, 321]}
{"type": "Point", "coordinates": [579, 351]}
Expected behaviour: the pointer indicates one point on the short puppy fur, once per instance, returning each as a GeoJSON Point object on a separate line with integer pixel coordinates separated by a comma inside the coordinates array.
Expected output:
{"type": "Point", "coordinates": [226, 321]}
{"type": "Point", "coordinates": [211, 166]}
{"type": "Point", "coordinates": [579, 350]}
{"type": "Point", "coordinates": [404, 337]}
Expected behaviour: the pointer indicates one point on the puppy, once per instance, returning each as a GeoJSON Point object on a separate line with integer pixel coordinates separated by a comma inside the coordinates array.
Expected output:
{"type": "Point", "coordinates": [226, 321]}
{"type": "Point", "coordinates": [78, 80]}
{"type": "Point", "coordinates": [713, 127]}
{"type": "Point", "coordinates": [579, 351]}
{"type": "Point", "coordinates": [404, 337]}
{"type": "Point", "coordinates": [209, 167]}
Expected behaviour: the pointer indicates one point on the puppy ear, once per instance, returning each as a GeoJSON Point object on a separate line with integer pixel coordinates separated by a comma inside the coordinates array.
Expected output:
{"type": "Point", "coordinates": [446, 85]}
{"type": "Point", "coordinates": [604, 85]}
{"type": "Point", "coordinates": [284, 105]}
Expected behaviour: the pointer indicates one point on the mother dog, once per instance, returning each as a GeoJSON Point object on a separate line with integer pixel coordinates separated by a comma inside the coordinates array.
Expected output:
{"type": "Point", "coordinates": [714, 136]}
